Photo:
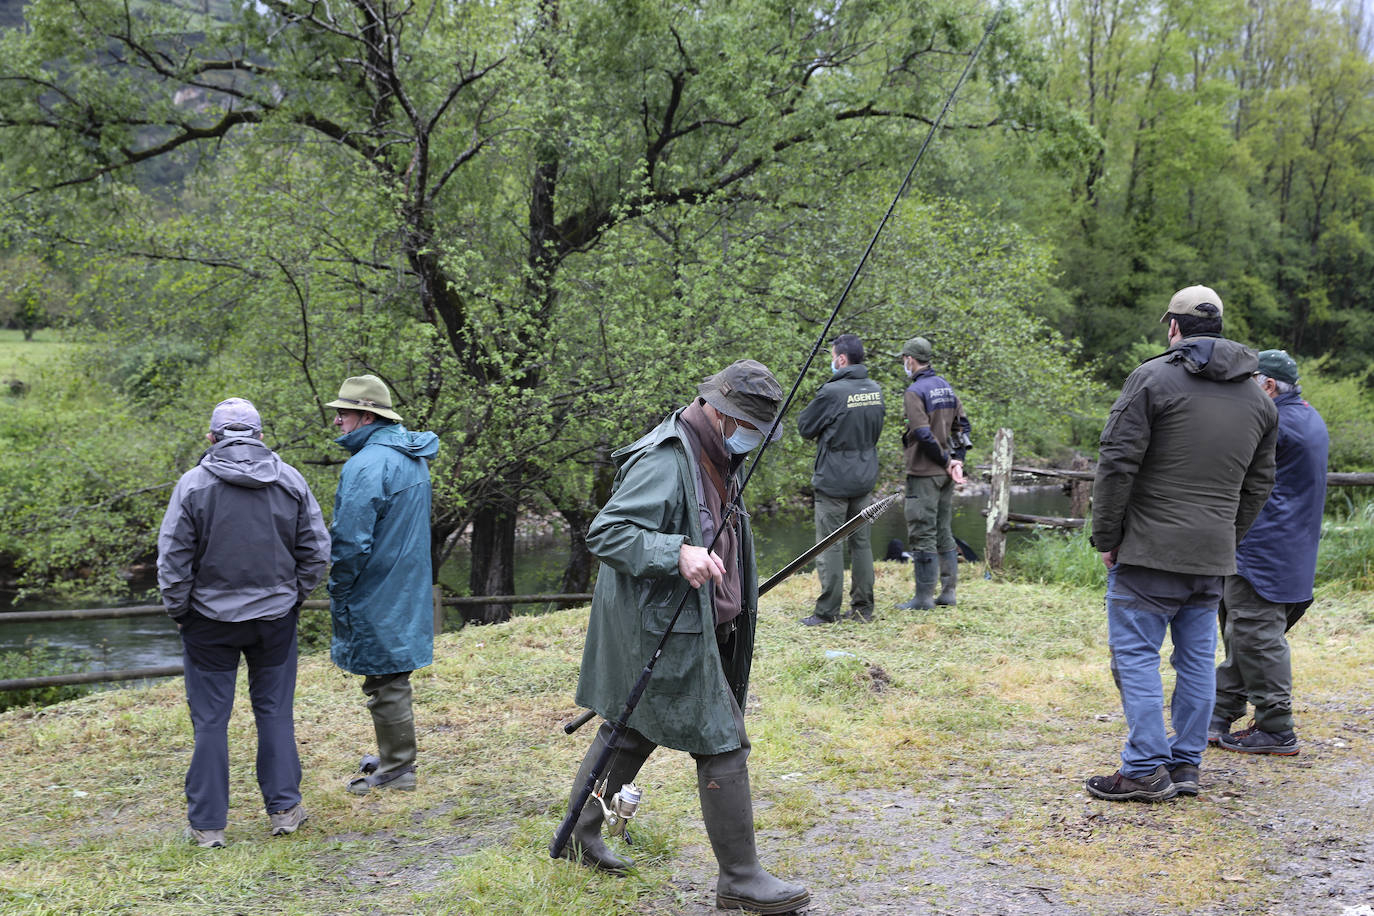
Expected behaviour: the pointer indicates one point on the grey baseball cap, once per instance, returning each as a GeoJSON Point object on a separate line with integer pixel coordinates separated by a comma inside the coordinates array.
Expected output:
{"type": "Point", "coordinates": [235, 417]}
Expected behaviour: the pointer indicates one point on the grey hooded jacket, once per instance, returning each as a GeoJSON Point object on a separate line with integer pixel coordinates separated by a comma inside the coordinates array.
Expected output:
{"type": "Point", "coordinates": [242, 538]}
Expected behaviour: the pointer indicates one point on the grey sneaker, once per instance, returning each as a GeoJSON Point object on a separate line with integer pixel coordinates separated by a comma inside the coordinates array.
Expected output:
{"type": "Point", "coordinates": [206, 839]}
{"type": "Point", "coordinates": [1215, 729]}
{"type": "Point", "coordinates": [284, 822]}
{"type": "Point", "coordinates": [816, 620]}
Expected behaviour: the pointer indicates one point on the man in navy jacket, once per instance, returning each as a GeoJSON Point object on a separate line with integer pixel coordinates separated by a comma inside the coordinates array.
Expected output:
{"type": "Point", "coordinates": [1276, 565]}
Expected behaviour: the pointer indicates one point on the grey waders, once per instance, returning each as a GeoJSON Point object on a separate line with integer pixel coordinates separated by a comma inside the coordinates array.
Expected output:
{"type": "Point", "coordinates": [586, 845]}
{"type": "Point", "coordinates": [728, 809]}
{"type": "Point", "coordinates": [927, 575]}
{"type": "Point", "coordinates": [393, 720]}
{"type": "Point", "coordinates": [949, 576]}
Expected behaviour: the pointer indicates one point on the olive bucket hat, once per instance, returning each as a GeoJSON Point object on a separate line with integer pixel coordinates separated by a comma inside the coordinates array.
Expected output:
{"type": "Point", "coordinates": [745, 390]}
{"type": "Point", "coordinates": [365, 392]}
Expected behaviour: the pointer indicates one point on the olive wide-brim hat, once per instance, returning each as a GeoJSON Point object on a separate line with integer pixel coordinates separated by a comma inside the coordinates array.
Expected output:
{"type": "Point", "coordinates": [745, 390]}
{"type": "Point", "coordinates": [365, 392]}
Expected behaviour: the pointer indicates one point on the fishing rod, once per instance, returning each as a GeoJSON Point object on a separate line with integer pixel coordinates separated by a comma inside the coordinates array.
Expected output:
{"type": "Point", "coordinates": [736, 506]}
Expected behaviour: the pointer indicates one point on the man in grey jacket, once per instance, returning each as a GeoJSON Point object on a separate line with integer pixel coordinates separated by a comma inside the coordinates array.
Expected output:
{"type": "Point", "coordinates": [241, 546]}
{"type": "Point", "coordinates": [1185, 463]}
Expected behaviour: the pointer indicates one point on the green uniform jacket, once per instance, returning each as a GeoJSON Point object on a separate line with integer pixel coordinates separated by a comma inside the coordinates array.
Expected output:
{"type": "Point", "coordinates": [1186, 459]}
{"type": "Point", "coordinates": [653, 509]}
{"type": "Point", "coordinates": [846, 419]}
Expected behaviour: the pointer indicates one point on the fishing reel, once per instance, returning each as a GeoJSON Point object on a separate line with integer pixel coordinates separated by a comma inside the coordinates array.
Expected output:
{"type": "Point", "coordinates": [621, 809]}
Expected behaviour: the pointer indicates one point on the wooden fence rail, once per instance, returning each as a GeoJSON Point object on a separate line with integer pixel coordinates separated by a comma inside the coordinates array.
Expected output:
{"type": "Point", "coordinates": [155, 610]}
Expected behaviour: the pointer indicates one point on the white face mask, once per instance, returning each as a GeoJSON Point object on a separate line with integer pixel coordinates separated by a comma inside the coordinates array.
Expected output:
{"type": "Point", "coordinates": [743, 440]}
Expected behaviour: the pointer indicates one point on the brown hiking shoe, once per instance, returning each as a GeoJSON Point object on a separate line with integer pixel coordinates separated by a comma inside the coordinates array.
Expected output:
{"type": "Point", "coordinates": [1185, 778]}
{"type": "Point", "coordinates": [1156, 786]}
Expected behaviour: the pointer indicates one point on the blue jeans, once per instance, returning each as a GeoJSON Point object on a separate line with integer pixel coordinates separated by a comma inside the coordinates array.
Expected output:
{"type": "Point", "coordinates": [1141, 605]}
{"type": "Point", "coordinates": [210, 653]}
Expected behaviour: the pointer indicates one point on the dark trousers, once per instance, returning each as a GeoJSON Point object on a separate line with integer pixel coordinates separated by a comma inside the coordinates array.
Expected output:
{"type": "Point", "coordinates": [210, 653]}
{"type": "Point", "coordinates": [831, 513]}
{"type": "Point", "coordinates": [1257, 666]}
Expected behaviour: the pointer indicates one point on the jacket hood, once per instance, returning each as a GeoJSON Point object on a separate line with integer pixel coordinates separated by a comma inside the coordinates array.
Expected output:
{"type": "Point", "coordinates": [242, 462]}
{"type": "Point", "coordinates": [1214, 358]}
{"type": "Point", "coordinates": [393, 435]}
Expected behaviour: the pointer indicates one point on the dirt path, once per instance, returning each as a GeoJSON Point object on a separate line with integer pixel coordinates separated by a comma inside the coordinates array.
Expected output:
{"type": "Point", "coordinates": [938, 854]}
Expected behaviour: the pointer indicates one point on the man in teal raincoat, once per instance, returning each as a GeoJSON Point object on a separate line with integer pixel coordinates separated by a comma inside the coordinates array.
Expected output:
{"type": "Point", "coordinates": [380, 581]}
{"type": "Point", "coordinates": [670, 499]}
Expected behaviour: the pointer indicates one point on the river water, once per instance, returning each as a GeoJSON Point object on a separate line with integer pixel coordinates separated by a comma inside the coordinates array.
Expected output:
{"type": "Point", "coordinates": [148, 641]}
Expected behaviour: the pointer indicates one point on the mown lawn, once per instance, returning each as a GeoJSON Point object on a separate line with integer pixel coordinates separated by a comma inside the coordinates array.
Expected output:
{"type": "Point", "coordinates": [928, 763]}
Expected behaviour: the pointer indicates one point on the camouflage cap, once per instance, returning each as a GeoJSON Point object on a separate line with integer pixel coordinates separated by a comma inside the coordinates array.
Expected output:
{"type": "Point", "coordinates": [1278, 365]}
{"type": "Point", "coordinates": [745, 390]}
{"type": "Point", "coordinates": [1201, 301]}
{"type": "Point", "coordinates": [918, 348]}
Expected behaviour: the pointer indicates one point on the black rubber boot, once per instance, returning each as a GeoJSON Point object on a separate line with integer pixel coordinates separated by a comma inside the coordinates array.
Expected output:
{"type": "Point", "coordinates": [393, 721]}
{"type": "Point", "coordinates": [586, 845]}
{"type": "Point", "coordinates": [949, 577]}
{"type": "Point", "coordinates": [927, 574]}
{"type": "Point", "coordinates": [742, 883]}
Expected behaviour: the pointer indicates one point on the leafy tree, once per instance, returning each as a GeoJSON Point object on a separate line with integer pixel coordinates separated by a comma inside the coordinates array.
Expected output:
{"type": "Point", "coordinates": [541, 223]}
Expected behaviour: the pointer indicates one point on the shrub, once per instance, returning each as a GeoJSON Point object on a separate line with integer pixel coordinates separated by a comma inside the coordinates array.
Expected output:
{"type": "Point", "coordinates": [37, 660]}
{"type": "Point", "coordinates": [1053, 555]}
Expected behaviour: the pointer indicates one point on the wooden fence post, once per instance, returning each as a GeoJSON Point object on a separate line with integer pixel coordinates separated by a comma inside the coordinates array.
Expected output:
{"type": "Point", "coordinates": [999, 498]}
{"type": "Point", "coordinates": [1080, 491]}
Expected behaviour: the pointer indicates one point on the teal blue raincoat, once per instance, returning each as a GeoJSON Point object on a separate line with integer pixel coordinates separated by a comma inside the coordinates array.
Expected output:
{"type": "Point", "coordinates": [380, 581]}
{"type": "Point", "coordinates": [653, 509]}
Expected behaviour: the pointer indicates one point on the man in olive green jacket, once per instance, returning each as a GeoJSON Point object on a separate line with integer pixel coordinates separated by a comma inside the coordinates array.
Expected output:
{"type": "Point", "coordinates": [671, 497]}
{"type": "Point", "coordinates": [1186, 461]}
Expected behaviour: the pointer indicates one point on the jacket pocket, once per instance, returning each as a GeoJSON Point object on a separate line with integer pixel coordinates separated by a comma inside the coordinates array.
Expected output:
{"type": "Point", "coordinates": [658, 609]}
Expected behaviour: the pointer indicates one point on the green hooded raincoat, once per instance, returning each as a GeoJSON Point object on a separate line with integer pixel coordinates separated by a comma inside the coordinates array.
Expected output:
{"type": "Point", "coordinates": [652, 511]}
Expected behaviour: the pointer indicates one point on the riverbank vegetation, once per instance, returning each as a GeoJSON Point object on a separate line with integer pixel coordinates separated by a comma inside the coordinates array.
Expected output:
{"type": "Point", "coordinates": [927, 763]}
{"type": "Point", "coordinates": [542, 224]}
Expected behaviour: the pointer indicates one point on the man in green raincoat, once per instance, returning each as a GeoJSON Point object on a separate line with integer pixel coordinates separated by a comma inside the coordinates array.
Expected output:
{"type": "Point", "coordinates": [671, 497]}
{"type": "Point", "coordinates": [381, 603]}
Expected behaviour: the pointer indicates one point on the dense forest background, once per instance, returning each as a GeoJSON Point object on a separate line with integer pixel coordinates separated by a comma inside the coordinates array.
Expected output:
{"type": "Point", "coordinates": [543, 221]}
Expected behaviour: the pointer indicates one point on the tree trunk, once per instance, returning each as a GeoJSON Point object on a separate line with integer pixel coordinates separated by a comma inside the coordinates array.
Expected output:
{"type": "Point", "coordinates": [577, 575]}
{"type": "Point", "coordinates": [493, 560]}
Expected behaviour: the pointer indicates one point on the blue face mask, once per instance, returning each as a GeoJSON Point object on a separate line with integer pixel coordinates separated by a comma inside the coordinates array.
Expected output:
{"type": "Point", "coordinates": [743, 440]}
{"type": "Point", "coordinates": [833, 368]}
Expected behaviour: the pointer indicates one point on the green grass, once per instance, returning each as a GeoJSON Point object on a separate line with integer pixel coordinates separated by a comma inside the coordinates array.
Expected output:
{"type": "Point", "coordinates": [944, 749]}
{"type": "Point", "coordinates": [38, 364]}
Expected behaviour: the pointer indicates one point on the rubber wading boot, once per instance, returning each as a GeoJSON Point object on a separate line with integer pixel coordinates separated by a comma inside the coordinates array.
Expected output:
{"type": "Point", "coordinates": [394, 722]}
{"type": "Point", "coordinates": [742, 883]}
{"type": "Point", "coordinates": [586, 845]}
{"type": "Point", "coordinates": [927, 574]}
{"type": "Point", "coordinates": [949, 577]}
